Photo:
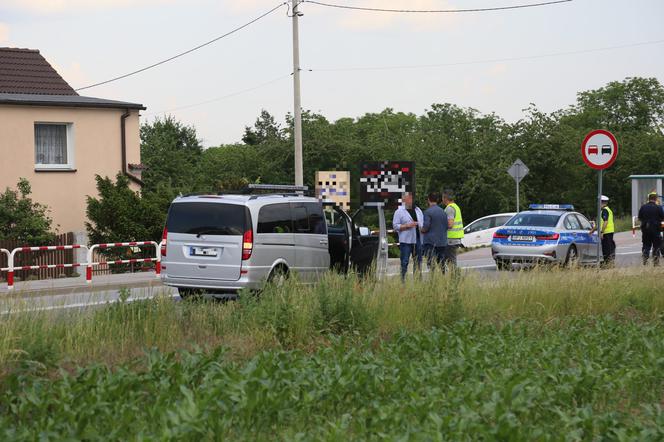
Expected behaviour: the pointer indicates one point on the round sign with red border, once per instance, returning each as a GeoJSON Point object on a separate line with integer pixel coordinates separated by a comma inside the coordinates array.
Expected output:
{"type": "Point", "coordinates": [599, 149]}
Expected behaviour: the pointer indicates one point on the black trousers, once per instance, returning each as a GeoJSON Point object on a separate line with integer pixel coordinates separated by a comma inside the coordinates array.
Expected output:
{"type": "Point", "coordinates": [608, 247]}
{"type": "Point", "coordinates": [651, 240]}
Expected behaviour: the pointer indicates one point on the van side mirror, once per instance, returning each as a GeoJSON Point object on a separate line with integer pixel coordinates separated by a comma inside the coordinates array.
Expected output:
{"type": "Point", "coordinates": [364, 231]}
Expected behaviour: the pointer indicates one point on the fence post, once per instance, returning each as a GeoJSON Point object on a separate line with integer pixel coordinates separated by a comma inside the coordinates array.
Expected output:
{"type": "Point", "coordinates": [88, 267]}
{"type": "Point", "coordinates": [10, 273]}
{"type": "Point", "coordinates": [157, 265]}
{"type": "Point", "coordinates": [10, 269]}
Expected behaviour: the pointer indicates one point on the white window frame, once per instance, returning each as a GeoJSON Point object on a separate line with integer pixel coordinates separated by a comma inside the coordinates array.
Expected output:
{"type": "Point", "coordinates": [70, 165]}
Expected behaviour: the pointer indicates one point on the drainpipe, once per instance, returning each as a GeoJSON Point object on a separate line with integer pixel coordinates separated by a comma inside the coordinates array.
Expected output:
{"type": "Point", "coordinates": [123, 142]}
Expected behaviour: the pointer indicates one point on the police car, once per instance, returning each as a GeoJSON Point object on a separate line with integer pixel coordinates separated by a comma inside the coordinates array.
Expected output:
{"type": "Point", "coordinates": [546, 233]}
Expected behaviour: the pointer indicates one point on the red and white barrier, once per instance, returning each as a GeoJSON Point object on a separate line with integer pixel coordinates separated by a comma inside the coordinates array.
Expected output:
{"type": "Point", "coordinates": [89, 264]}
{"type": "Point", "coordinates": [156, 259]}
{"type": "Point", "coordinates": [8, 269]}
{"type": "Point", "coordinates": [12, 269]}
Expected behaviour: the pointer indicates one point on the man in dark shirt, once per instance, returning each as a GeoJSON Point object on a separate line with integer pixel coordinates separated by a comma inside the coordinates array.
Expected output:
{"type": "Point", "coordinates": [651, 217]}
{"type": "Point", "coordinates": [434, 232]}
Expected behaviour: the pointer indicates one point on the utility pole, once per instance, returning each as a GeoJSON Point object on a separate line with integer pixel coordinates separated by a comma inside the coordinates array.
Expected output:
{"type": "Point", "coordinates": [297, 113]}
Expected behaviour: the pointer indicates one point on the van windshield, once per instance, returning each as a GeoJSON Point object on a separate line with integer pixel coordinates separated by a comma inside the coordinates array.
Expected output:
{"type": "Point", "coordinates": [199, 218]}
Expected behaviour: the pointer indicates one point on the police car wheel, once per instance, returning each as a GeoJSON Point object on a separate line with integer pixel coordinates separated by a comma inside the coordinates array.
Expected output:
{"type": "Point", "coordinates": [572, 258]}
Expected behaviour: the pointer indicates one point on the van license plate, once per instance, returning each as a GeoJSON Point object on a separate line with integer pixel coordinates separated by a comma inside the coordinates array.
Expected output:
{"type": "Point", "coordinates": [203, 251]}
{"type": "Point", "coordinates": [523, 238]}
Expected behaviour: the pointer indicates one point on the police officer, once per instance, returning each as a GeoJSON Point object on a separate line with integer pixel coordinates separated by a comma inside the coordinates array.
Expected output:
{"type": "Point", "coordinates": [606, 232]}
{"type": "Point", "coordinates": [454, 226]}
{"type": "Point", "coordinates": [651, 217]}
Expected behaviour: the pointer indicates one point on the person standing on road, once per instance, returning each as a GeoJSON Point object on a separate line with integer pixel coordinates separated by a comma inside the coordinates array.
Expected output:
{"type": "Point", "coordinates": [407, 222]}
{"type": "Point", "coordinates": [455, 226]}
{"type": "Point", "coordinates": [606, 232]}
{"type": "Point", "coordinates": [434, 232]}
{"type": "Point", "coordinates": [651, 217]}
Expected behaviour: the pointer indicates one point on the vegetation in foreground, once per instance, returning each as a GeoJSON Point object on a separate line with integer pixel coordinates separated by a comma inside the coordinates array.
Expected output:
{"type": "Point", "coordinates": [531, 356]}
{"type": "Point", "coordinates": [577, 379]}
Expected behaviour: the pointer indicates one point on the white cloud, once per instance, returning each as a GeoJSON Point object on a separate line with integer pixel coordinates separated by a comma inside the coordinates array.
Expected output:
{"type": "Point", "coordinates": [497, 69]}
{"type": "Point", "coordinates": [369, 20]}
{"type": "Point", "coordinates": [4, 33]}
{"type": "Point", "coordinates": [73, 74]}
{"type": "Point", "coordinates": [56, 6]}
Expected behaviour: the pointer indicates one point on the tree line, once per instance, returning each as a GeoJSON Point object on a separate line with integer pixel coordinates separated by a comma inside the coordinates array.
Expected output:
{"type": "Point", "coordinates": [453, 148]}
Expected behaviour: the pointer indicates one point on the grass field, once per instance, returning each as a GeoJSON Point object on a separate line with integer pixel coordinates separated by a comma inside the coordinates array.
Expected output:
{"type": "Point", "coordinates": [549, 355]}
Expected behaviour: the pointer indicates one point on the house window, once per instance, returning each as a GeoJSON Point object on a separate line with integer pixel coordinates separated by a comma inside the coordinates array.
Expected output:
{"type": "Point", "coordinates": [54, 146]}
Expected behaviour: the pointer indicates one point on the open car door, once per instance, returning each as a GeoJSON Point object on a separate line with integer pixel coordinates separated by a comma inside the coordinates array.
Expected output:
{"type": "Point", "coordinates": [340, 236]}
{"type": "Point", "coordinates": [352, 245]}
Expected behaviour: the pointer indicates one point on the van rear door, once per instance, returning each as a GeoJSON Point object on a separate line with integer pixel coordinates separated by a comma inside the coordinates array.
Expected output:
{"type": "Point", "coordinates": [205, 240]}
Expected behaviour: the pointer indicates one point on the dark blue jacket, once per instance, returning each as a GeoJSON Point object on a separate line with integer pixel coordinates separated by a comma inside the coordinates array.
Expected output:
{"type": "Point", "coordinates": [435, 225]}
{"type": "Point", "coordinates": [651, 216]}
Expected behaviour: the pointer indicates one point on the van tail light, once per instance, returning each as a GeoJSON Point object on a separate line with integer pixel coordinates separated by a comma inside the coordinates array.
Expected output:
{"type": "Point", "coordinates": [550, 237]}
{"type": "Point", "coordinates": [499, 235]}
{"type": "Point", "coordinates": [247, 244]}
{"type": "Point", "coordinates": [164, 237]}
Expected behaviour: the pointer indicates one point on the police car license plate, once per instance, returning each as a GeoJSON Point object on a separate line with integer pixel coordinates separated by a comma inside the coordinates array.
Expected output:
{"type": "Point", "coordinates": [203, 251]}
{"type": "Point", "coordinates": [523, 238]}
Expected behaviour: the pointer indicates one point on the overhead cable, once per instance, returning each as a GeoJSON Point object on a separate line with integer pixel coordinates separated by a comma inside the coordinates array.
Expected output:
{"type": "Point", "coordinates": [233, 31]}
{"type": "Point", "coordinates": [233, 94]}
{"type": "Point", "coordinates": [490, 60]}
{"type": "Point", "coordinates": [428, 11]}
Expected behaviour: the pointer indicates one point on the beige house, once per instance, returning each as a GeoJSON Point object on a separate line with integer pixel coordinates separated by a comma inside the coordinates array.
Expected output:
{"type": "Point", "coordinates": [60, 140]}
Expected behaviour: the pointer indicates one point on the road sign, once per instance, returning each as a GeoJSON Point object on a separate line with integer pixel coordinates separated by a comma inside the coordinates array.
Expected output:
{"type": "Point", "coordinates": [518, 170]}
{"type": "Point", "coordinates": [599, 149]}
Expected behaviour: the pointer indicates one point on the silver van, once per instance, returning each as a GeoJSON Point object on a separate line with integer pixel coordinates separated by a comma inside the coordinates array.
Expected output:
{"type": "Point", "coordinates": [220, 244]}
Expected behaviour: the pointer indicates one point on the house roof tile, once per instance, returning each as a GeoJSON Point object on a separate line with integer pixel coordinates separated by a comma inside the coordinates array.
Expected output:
{"type": "Point", "coordinates": [26, 71]}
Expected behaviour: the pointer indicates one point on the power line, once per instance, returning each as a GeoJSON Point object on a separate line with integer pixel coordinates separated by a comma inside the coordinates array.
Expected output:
{"type": "Point", "coordinates": [120, 77]}
{"type": "Point", "coordinates": [233, 94]}
{"type": "Point", "coordinates": [497, 8]}
{"type": "Point", "coordinates": [491, 60]}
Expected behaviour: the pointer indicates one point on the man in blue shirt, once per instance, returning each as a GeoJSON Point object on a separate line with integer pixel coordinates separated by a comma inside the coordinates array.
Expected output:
{"type": "Point", "coordinates": [434, 232]}
{"type": "Point", "coordinates": [407, 222]}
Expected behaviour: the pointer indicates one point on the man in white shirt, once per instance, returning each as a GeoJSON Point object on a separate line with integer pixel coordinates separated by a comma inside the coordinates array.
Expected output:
{"type": "Point", "coordinates": [407, 222]}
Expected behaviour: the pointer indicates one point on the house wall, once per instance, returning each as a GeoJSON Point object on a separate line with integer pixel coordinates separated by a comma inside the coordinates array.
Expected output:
{"type": "Point", "coordinates": [97, 150]}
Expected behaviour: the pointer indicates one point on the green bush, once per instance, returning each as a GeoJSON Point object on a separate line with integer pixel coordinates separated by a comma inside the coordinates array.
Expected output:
{"type": "Point", "coordinates": [22, 219]}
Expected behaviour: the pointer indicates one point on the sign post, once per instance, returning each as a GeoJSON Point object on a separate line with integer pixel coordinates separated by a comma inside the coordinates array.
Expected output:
{"type": "Point", "coordinates": [599, 151]}
{"type": "Point", "coordinates": [518, 170]}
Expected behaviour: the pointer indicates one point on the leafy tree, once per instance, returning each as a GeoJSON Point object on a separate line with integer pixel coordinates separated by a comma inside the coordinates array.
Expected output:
{"type": "Point", "coordinates": [121, 214]}
{"type": "Point", "coordinates": [22, 219]}
{"type": "Point", "coordinates": [171, 152]}
{"type": "Point", "coordinates": [265, 129]}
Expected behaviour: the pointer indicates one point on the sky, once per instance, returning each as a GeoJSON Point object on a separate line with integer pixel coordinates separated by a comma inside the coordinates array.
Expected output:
{"type": "Point", "coordinates": [353, 62]}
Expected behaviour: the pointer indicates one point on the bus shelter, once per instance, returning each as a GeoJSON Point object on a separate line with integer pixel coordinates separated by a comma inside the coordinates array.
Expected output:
{"type": "Point", "coordinates": [642, 185]}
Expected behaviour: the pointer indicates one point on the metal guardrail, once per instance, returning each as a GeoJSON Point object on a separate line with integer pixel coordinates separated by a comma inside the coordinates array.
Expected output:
{"type": "Point", "coordinates": [88, 264]}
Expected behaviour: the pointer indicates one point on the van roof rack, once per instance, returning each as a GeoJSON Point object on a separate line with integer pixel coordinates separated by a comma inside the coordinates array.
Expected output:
{"type": "Point", "coordinates": [276, 188]}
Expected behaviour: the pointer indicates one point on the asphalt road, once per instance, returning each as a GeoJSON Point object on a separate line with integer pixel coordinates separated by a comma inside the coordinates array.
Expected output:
{"type": "Point", "coordinates": [627, 254]}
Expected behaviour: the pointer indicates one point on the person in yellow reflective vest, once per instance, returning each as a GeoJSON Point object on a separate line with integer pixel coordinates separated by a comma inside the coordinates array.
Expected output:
{"type": "Point", "coordinates": [454, 226]}
{"type": "Point", "coordinates": [607, 231]}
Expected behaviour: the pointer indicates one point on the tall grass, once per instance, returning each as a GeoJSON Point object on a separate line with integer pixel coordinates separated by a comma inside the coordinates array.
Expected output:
{"type": "Point", "coordinates": [304, 317]}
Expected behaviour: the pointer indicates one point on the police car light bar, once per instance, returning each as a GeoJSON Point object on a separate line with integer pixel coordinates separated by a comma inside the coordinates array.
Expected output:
{"type": "Point", "coordinates": [551, 207]}
{"type": "Point", "coordinates": [278, 187]}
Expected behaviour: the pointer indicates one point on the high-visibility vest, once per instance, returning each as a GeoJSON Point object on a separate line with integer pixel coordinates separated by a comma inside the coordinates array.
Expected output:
{"type": "Point", "coordinates": [610, 227]}
{"type": "Point", "coordinates": [456, 232]}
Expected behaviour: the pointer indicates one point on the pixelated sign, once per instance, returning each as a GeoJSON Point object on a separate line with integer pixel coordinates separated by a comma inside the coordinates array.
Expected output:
{"type": "Point", "coordinates": [334, 186]}
{"type": "Point", "coordinates": [386, 182]}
